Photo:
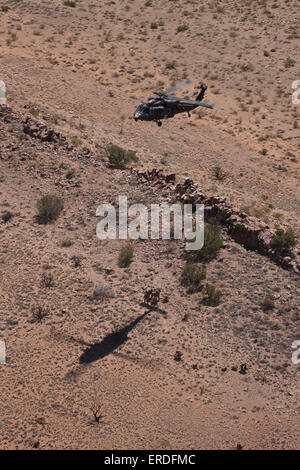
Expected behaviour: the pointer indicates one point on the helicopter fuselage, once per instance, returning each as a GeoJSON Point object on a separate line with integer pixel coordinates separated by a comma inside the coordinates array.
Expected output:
{"type": "Point", "coordinates": [157, 109]}
{"type": "Point", "coordinates": [165, 106]}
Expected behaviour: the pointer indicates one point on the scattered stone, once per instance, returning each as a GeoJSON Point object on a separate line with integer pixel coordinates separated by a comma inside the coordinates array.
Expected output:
{"type": "Point", "coordinates": [41, 421]}
{"type": "Point", "coordinates": [42, 132]}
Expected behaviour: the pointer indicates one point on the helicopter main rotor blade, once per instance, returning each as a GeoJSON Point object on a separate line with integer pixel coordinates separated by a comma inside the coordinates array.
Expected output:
{"type": "Point", "coordinates": [178, 85]}
{"type": "Point", "coordinates": [138, 100]}
{"type": "Point", "coordinates": [175, 100]}
{"type": "Point", "coordinates": [67, 338]}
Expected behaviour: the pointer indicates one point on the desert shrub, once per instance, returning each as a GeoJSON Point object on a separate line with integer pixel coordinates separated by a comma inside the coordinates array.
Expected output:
{"type": "Point", "coordinates": [219, 174]}
{"type": "Point", "coordinates": [96, 410]}
{"type": "Point", "coordinates": [39, 313]}
{"type": "Point", "coordinates": [47, 280]}
{"type": "Point", "coordinates": [76, 140]}
{"type": "Point", "coordinates": [119, 157]}
{"type": "Point", "coordinates": [193, 275]}
{"type": "Point", "coordinates": [284, 240]}
{"type": "Point", "coordinates": [101, 291]}
{"type": "Point", "coordinates": [70, 174]}
{"type": "Point", "coordinates": [76, 260]}
{"type": "Point", "coordinates": [6, 216]}
{"type": "Point", "coordinates": [153, 26]}
{"type": "Point", "coordinates": [69, 3]}
{"type": "Point", "coordinates": [49, 207]}
{"type": "Point", "coordinates": [289, 63]}
{"type": "Point", "coordinates": [186, 316]}
{"type": "Point", "coordinates": [182, 27]}
{"type": "Point", "coordinates": [247, 67]}
{"type": "Point", "coordinates": [152, 296]}
{"type": "Point", "coordinates": [171, 65]}
{"type": "Point", "coordinates": [212, 295]}
{"type": "Point", "coordinates": [34, 112]}
{"type": "Point", "coordinates": [268, 302]}
{"type": "Point", "coordinates": [125, 255]}
{"type": "Point", "coordinates": [212, 242]}
{"type": "Point", "coordinates": [277, 215]}
{"type": "Point", "coordinates": [66, 243]}
{"type": "Point", "coordinates": [178, 356]}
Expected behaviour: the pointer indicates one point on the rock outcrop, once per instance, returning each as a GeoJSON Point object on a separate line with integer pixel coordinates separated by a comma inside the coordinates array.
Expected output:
{"type": "Point", "coordinates": [42, 132]}
{"type": "Point", "coordinates": [248, 231]}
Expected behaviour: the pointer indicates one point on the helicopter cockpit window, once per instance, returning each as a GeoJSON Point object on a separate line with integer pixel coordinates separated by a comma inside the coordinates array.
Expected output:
{"type": "Point", "coordinates": [144, 108]}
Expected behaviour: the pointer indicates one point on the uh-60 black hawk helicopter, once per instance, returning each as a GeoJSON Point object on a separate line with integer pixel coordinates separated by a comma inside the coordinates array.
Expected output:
{"type": "Point", "coordinates": [165, 106]}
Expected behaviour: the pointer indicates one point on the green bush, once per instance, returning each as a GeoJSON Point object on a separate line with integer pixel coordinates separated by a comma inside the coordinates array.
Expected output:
{"type": "Point", "coordinates": [212, 295]}
{"type": "Point", "coordinates": [182, 27]}
{"type": "Point", "coordinates": [76, 140]}
{"type": "Point", "coordinates": [289, 63]}
{"type": "Point", "coordinates": [125, 255]}
{"type": "Point", "coordinates": [284, 240]}
{"type": "Point", "coordinates": [193, 275]}
{"type": "Point", "coordinates": [70, 174]}
{"type": "Point", "coordinates": [119, 157]}
{"type": "Point", "coordinates": [212, 242]}
{"type": "Point", "coordinates": [49, 207]}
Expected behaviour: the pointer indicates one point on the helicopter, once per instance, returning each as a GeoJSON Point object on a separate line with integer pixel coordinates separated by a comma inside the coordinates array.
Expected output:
{"type": "Point", "coordinates": [164, 106]}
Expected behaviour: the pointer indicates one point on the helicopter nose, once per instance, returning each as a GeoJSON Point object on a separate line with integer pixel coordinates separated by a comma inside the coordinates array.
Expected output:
{"type": "Point", "coordinates": [136, 116]}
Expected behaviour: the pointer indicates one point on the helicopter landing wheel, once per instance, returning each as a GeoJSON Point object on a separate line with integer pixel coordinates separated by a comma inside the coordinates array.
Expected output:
{"type": "Point", "coordinates": [159, 123]}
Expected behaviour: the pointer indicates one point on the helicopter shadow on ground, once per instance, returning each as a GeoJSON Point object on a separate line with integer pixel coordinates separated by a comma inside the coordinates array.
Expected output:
{"type": "Point", "coordinates": [110, 343]}
{"type": "Point", "coordinates": [114, 340]}
{"type": "Point", "coordinates": [153, 308]}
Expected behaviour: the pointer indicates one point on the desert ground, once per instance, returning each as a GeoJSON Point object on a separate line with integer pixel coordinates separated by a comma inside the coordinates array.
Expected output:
{"type": "Point", "coordinates": [190, 375]}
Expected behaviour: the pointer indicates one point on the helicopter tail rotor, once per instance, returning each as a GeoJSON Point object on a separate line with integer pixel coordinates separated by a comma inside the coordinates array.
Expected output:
{"type": "Point", "coordinates": [200, 96]}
